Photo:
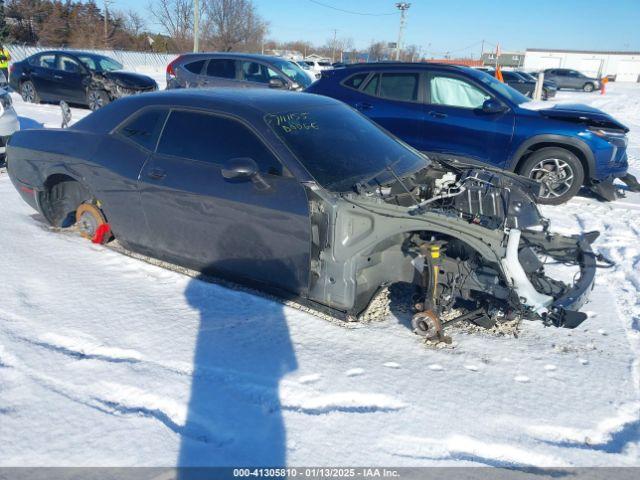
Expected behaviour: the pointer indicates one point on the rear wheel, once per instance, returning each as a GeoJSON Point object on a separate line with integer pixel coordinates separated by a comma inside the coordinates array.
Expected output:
{"type": "Point", "coordinates": [588, 87]}
{"type": "Point", "coordinates": [97, 99]}
{"type": "Point", "coordinates": [89, 219]}
{"type": "Point", "coordinates": [28, 92]}
{"type": "Point", "coordinates": [558, 170]}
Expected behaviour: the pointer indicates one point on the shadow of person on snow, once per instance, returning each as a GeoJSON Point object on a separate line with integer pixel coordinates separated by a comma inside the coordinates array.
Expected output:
{"type": "Point", "coordinates": [242, 351]}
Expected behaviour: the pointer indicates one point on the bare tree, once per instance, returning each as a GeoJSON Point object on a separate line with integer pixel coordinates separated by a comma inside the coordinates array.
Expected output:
{"type": "Point", "coordinates": [134, 23]}
{"type": "Point", "coordinates": [176, 19]}
{"type": "Point", "coordinates": [376, 51]}
{"type": "Point", "coordinates": [233, 25]}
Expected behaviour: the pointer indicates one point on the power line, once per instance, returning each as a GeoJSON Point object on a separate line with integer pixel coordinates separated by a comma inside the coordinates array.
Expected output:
{"type": "Point", "coordinates": [351, 11]}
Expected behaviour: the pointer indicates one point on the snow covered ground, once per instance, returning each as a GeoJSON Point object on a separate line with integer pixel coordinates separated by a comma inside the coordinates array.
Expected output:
{"type": "Point", "coordinates": [108, 361]}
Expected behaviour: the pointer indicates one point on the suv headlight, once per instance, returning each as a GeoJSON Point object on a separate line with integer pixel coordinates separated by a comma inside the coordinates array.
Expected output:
{"type": "Point", "coordinates": [615, 137]}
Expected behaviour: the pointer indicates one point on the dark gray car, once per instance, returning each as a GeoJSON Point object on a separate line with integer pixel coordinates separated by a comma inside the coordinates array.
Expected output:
{"type": "Point", "coordinates": [206, 70]}
{"type": "Point", "coordinates": [567, 78]}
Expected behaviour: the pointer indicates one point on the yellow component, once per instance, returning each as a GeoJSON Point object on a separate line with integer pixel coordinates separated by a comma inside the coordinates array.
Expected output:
{"type": "Point", "coordinates": [435, 251]}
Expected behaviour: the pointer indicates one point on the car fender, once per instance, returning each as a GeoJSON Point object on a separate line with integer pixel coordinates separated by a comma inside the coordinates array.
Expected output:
{"type": "Point", "coordinates": [560, 140]}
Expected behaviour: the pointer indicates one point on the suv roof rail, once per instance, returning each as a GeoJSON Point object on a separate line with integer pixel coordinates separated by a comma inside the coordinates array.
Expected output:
{"type": "Point", "coordinates": [400, 64]}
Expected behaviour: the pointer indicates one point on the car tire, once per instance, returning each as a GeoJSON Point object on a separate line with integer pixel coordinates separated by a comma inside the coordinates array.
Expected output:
{"type": "Point", "coordinates": [588, 87]}
{"type": "Point", "coordinates": [28, 92]}
{"type": "Point", "coordinates": [560, 171]}
{"type": "Point", "coordinates": [97, 99]}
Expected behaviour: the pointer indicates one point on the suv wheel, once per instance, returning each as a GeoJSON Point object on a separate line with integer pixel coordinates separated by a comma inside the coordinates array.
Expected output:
{"type": "Point", "coordinates": [559, 171]}
{"type": "Point", "coordinates": [588, 87]}
{"type": "Point", "coordinates": [28, 92]}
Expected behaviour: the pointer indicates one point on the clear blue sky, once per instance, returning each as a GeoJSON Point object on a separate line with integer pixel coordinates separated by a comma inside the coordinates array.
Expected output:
{"type": "Point", "coordinates": [455, 25]}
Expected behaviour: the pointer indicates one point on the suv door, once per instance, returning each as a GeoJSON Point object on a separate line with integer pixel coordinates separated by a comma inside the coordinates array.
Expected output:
{"type": "Point", "coordinates": [392, 100]}
{"type": "Point", "coordinates": [457, 126]}
{"type": "Point", "coordinates": [68, 79]}
{"type": "Point", "coordinates": [560, 77]}
{"type": "Point", "coordinates": [575, 79]}
{"type": "Point", "coordinates": [257, 230]}
{"type": "Point", "coordinates": [220, 72]}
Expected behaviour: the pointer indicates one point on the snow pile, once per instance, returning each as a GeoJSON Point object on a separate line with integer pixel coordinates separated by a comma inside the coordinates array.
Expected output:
{"type": "Point", "coordinates": [109, 361]}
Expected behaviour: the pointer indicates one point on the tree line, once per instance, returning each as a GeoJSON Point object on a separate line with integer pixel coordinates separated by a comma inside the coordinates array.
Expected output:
{"type": "Point", "coordinates": [225, 25]}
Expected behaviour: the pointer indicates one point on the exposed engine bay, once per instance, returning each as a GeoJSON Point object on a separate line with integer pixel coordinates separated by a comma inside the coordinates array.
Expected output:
{"type": "Point", "coordinates": [452, 273]}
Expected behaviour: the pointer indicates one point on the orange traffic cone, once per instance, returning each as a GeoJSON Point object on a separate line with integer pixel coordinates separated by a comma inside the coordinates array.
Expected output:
{"type": "Point", "coordinates": [499, 74]}
{"type": "Point", "coordinates": [603, 83]}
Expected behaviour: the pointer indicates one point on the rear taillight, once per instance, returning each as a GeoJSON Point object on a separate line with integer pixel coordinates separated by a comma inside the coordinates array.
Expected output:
{"type": "Point", "coordinates": [171, 67]}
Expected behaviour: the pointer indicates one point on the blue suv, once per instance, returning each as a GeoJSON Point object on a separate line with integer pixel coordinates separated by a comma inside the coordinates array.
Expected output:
{"type": "Point", "coordinates": [465, 115]}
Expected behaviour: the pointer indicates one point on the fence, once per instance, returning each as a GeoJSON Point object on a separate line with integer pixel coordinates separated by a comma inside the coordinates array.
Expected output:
{"type": "Point", "coordinates": [137, 61]}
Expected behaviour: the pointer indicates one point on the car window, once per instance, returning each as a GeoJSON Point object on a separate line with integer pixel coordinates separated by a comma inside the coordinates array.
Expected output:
{"type": "Point", "coordinates": [143, 128]}
{"type": "Point", "coordinates": [399, 86]}
{"type": "Point", "coordinates": [214, 139]}
{"type": "Point", "coordinates": [372, 85]}
{"type": "Point", "coordinates": [511, 76]}
{"type": "Point", "coordinates": [222, 68]}
{"type": "Point", "coordinates": [455, 92]}
{"type": "Point", "coordinates": [195, 67]}
{"type": "Point", "coordinates": [257, 72]}
{"type": "Point", "coordinates": [99, 63]}
{"type": "Point", "coordinates": [46, 61]}
{"type": "Point", "coordinates": [355, 81]}
{"type": "Point", "coordinates": [68, 64]}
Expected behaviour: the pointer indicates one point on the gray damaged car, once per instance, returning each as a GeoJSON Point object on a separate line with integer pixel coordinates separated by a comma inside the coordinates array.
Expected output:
{"type": "Point", "coordinates": [304, 197]}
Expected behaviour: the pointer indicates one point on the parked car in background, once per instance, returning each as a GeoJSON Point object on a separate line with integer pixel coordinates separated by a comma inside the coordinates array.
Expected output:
{"type": "Point", "coordinates": [463, 114]}
{"type": "Point", "coordinates": [567, 78]}
{"type": "Point", "coordinates": [318, 66]}
{"type": "Point", "coordinates": [76, 77]}
{"type": "Point", "coordinates": [313, 76]}
{"type": "Point", "coordinates": [205, 70]}
{"type": "Point", "coordinates": [525, 84]}
{"type": "Point", "coordinates": [301, 196]}
{"type": "Point", "coordinates": [9, 123]}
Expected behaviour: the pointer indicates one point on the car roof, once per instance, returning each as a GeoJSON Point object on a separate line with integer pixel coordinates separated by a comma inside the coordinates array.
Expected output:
{"type": "Point", "coordinates": [381, 65]}
{"type": "Point", "coordinates": [244, 56]}
{"type": "Point", "coordinates": [71, 52]}
{"type": "Point", "coordinates": [251, 104]}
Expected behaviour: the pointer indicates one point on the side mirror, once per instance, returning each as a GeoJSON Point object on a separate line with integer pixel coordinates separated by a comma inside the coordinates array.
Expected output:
{"type": "Point", "coordinates": [243, 168]}
{"type": "Point", "coordinates": [277, 83]}
{"type": "Point", "coordinates": [493, 106]}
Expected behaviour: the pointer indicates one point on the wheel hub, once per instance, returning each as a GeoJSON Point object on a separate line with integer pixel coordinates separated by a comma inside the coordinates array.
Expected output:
{"type": "Point", "coordinates": [555, 174]}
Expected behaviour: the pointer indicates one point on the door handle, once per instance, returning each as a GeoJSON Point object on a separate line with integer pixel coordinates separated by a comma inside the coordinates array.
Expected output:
{"type": "Point", "coordinates": [58, 77]}
{"type": "Point", "coordinates": [157, 174]}
{"type": "Point", "coordinates": [363, 106]}
{"type": "Point", "coordinates": [437, 114]}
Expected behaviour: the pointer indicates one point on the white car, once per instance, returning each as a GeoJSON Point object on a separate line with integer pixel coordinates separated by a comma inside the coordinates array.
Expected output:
{"type": "Point", "coordinates": [9, 123]}
{"type": "Point", "coordinates": [317, 66]}
{"type": "Point", "coordinates": [313, 76]}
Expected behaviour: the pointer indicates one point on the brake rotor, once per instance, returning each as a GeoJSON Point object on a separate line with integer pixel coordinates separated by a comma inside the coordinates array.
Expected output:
{"type": "Point", "coordinates": [89, 219]}
{"type": "Point", "coordinates": [427, 324]}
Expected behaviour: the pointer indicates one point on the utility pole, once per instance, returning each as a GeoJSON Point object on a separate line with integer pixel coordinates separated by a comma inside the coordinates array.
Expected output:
{"type": "Point", "coordinates": [333, 53]}
{"type": "Point", "coordinates": [403, 7]}
{"type": "Point", "coordinates": [106, 23]}
{"type": "Point", "coordinates": [482, 50]}
{"type": "Point", "coordinates": [196, 26]}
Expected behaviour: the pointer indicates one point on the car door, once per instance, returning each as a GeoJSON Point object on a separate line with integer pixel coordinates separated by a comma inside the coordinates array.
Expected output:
{"type": "Point", "coordinates": [68, 79]}
{"type": "Point", "coordinates": [560, 77]}
{"type": "Point", "coordinates": [392, 100]}
{"type": "Point", "coordinates": [42, 70]}
{"type": "Point", "coordinates": [457, 126]}
{"type": "Point", "coordinates": [255, 230]}
{"type": "Point", "coordinates": [219, 72]}
{"type": "Point", "coordinates": [575, 79]}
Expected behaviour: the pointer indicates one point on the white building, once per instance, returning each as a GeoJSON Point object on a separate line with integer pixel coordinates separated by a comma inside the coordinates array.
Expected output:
{"type": "Point", "coordinates": [625, 66]}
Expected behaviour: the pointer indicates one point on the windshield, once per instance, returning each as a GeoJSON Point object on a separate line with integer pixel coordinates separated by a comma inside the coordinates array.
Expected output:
{"type": "Point", "coordinates": [339, 147]}
{"type": "Point", "coordinates": [502, 88]}
{"type": "Point", "coordinates": [98, 63]}
{"type": "Point", "coordinates": [294, 72]}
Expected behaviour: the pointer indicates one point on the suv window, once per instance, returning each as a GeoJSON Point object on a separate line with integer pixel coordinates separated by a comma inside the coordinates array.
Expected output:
{"type": "Point", "coordinates": [214, 139]}
{"type": "Point", "coordinates": [355, 81]}
{"type": "Point", "coordinates": [399, 86]}
{"type": "Point", "coordinates": [195, 67]}
{"type": "Point", "coordinates": [455, 92]}
{"type": "Point", "coordinates": [257, 72]}
{"type": "Point", "coordinates": [68, 64]}
{"type": "Point", "coordinates": [143, 128]}
{"type": "Point", "coordinates": [222, 68]}
{"type": "Point", "coordinates": [372, 86]}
